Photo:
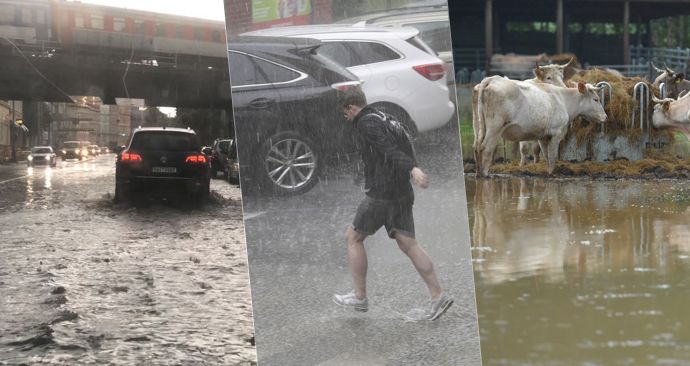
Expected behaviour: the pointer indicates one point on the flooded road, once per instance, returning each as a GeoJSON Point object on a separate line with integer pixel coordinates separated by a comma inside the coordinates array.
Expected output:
{"type": "Point", "coordinates": [83, 281]}
{"type": "Point", "coordinates": [579, 272]}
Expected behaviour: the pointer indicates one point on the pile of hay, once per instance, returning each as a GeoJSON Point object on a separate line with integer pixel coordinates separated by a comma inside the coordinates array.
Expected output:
{"type": "Point", "coordinates": [654, 167]}
{"type": "Point", "coordinates": [619, 108]}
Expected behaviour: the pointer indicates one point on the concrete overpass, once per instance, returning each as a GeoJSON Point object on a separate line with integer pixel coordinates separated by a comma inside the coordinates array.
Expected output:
{"type": "Point", "coordinates": [49, 72]}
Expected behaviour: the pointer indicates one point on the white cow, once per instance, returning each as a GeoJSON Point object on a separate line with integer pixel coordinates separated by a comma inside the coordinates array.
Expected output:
{"type": "Point", "coordinates": [522, 111]}
{"type": "Point", "coordinates": [550, 74]}
{"type": "Point", "coordinates": [673, 115]}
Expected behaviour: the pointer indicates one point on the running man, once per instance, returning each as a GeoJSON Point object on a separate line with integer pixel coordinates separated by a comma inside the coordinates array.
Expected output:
{"type": "Point", "coordinates": [389, 166]}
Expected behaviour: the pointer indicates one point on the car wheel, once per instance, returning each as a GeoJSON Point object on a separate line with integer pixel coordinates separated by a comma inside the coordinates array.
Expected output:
{"type": "Point", "coordinates": [290, 163]}
{"type": "Point", "coordinates": [203, 194]}
{"type": "Point", "coordinates": [230, 178]}
{"type": "Point", "coordinates": [122, 193]}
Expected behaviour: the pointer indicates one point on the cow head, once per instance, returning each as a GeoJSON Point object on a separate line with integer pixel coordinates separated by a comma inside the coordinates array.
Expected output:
{"type": "Point", "coordinates": [661, 117]}
{"type": "Point", "coordinates": [673, 82]}
{"type": "Point", "coordinates": [552, 74]}
{"type": "Point", "coordinates": [590, 105]}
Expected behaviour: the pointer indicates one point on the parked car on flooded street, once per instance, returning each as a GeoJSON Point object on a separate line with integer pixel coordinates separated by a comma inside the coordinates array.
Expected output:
{"type": "Point", "coordinates": [162, 161]}
{"type": "Point", "coordinates": [231, 166]}
{"type": "Point", "coordinates": [41, 155]}
{"type": "Point", "coordinates": [219, 153]}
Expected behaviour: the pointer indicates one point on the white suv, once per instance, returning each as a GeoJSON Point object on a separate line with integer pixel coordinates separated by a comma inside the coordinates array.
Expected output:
{"type": "Point", "coordinates": [400, 73]}
{"type": "Point", "coordinates": [432, 21]}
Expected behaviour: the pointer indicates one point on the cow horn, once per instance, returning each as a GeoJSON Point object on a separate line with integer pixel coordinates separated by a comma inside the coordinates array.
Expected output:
{"type": "Point", "coordinates": [656, 68]}
{"type": "Point", "coordinates": [568, 64]}
{"type": "Point", "coordinates": [657, 100]}
{"type": "Point", "coordinates": [668, 71]}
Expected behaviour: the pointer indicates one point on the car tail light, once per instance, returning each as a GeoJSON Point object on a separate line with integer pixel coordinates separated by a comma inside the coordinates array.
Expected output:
{"type": "Point", "coordinates": [432, 72]}
{"type": "Point", "coordinates": [130, 157]}
{"type": "Point", "coordinates": [346, 85]}
{"type": "Point", "coordinates": [196, 159]}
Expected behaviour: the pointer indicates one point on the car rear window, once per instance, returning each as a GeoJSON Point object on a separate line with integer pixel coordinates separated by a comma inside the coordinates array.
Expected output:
{"type": "Point", "coordinates": [71, 145]}
{"type": "Point", "coordinates": [41, 150]}
{"type": "Point", "coordinates": [248, 70]}
{"type": "Point", "coordinates": [166, 141]}
{"type": "Point", "coordinates": [415, 41]}
{"type": "Point", "coordinates": [353, 53]}
{"type": "Point", "coordinates": [435, 34]}
{"type": "Point", "coordinates": [224, 145]}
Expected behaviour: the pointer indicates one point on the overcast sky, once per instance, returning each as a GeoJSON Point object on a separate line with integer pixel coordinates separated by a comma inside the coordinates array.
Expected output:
{"type": "Point", "coordinates": [208, 9]}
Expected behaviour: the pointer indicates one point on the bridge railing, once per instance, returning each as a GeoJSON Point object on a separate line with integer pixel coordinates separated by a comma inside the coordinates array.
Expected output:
{"type": "Point", "coordinates": [132, 56]}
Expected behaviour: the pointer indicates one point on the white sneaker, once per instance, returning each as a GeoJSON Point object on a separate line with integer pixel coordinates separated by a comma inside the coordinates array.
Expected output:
{"type": "Point", "coordinates": [439, 306]}
{"type": "Point", "coordinates": [350, 300]}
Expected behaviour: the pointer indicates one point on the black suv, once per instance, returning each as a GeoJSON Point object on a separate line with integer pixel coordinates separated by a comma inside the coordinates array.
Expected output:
{"type": "Point", "coordinates": [287, 120]}
{"type": "Point", "coordinates": [164, 159]}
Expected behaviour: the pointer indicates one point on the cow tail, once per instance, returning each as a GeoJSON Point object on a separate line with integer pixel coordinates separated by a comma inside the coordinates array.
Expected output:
{"type": "Point", "coordinates": [481, 118]}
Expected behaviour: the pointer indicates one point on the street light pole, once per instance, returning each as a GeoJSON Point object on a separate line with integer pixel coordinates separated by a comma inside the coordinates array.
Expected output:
{"type": "Point", "coordinates": [13, 137]}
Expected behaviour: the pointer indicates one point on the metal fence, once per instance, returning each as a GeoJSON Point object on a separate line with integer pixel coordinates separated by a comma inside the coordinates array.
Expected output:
{"type": "Point", "coordinates": [642, 58]}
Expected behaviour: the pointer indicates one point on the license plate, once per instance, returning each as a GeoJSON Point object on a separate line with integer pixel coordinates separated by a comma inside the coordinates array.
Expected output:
{"type": "Point", "coordinates": [163, 169]}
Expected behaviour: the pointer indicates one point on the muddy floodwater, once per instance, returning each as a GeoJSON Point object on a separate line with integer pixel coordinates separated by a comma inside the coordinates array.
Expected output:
{"type": "Point", "coordinates": [581, 272]}
{"type": "Point", "coordinates": [87, 282]}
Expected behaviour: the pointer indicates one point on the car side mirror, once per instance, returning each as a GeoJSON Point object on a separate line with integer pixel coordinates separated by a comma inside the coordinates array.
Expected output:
{"type": "Point", "coordinates": [119, 149]}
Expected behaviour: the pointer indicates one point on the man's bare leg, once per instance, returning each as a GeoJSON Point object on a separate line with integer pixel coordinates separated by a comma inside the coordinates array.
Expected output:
{"type": "Point", "coordinates": [421, 262]}
{"type": "Point", "coordinates": [357, 261]}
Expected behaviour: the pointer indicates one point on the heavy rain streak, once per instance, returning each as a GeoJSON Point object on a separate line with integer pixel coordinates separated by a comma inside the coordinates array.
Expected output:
{"type": "Point", "coordinates": [582, 272]}
{"type": "Point", "coordinates": [303, 178]}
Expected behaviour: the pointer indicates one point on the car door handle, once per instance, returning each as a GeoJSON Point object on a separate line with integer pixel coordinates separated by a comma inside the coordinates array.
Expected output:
{"type": "Point", "coordinates": [260, 103]}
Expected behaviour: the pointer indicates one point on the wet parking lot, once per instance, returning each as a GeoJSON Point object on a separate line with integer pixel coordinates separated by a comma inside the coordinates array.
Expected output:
{"type": "Point", "coordinates": [581, 272]}
{"type": "Point", "coordinates": [85, 281]}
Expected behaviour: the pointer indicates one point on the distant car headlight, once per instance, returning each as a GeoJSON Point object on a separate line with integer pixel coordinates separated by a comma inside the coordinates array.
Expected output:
{"type": "Point", "coordinates": [64, 152]}
{"type": "Point", "coordinates": [47, 157]}
{"type": "Point", "coordinates": [30, 158]}
{"type": "Point", "coordinates": [77, 151]}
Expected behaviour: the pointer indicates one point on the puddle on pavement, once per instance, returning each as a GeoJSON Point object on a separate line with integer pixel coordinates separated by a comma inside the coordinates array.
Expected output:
{"type": "Point", "coordinates": [580, 272]}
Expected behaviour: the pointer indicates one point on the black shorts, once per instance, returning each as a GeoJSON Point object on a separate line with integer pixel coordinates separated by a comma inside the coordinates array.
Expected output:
{"type": "Point", "coordinates": [395, 215]}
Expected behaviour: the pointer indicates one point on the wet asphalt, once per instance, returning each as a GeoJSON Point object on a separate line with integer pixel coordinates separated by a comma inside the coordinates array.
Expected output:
{"type": "Point", "coordinates": [87, 282]}
{"type": "Point", "coordinates": [297, 254]}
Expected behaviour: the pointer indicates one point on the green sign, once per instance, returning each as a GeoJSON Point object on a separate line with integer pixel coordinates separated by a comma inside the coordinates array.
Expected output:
{"type": "Point", "coordinates": [272, 10]}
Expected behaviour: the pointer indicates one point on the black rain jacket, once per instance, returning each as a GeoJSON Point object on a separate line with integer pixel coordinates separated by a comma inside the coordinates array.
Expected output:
{"type": "Point", "coordinates": [386, 166]}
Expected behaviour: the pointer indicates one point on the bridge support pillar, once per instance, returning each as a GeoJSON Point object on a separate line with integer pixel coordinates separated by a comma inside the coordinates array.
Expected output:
{"type": "Point", "coordinates": [488, 31]}
{"type": "Point", "coordinates": [559, 26]}
{"type": "Point", "coordinates": [626, 32]}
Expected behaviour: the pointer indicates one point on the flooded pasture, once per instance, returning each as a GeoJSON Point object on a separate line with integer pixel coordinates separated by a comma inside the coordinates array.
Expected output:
{"type": "Point", "coordinates": [581, 272]}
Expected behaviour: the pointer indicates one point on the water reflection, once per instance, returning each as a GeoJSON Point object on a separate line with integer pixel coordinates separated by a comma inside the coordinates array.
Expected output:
{"type": "Point", "coordinates": [581, 272]}
{"type": "Point", "coordinates": [29, 186]}
{"type": "Point", "coordinates": [48, 177]}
